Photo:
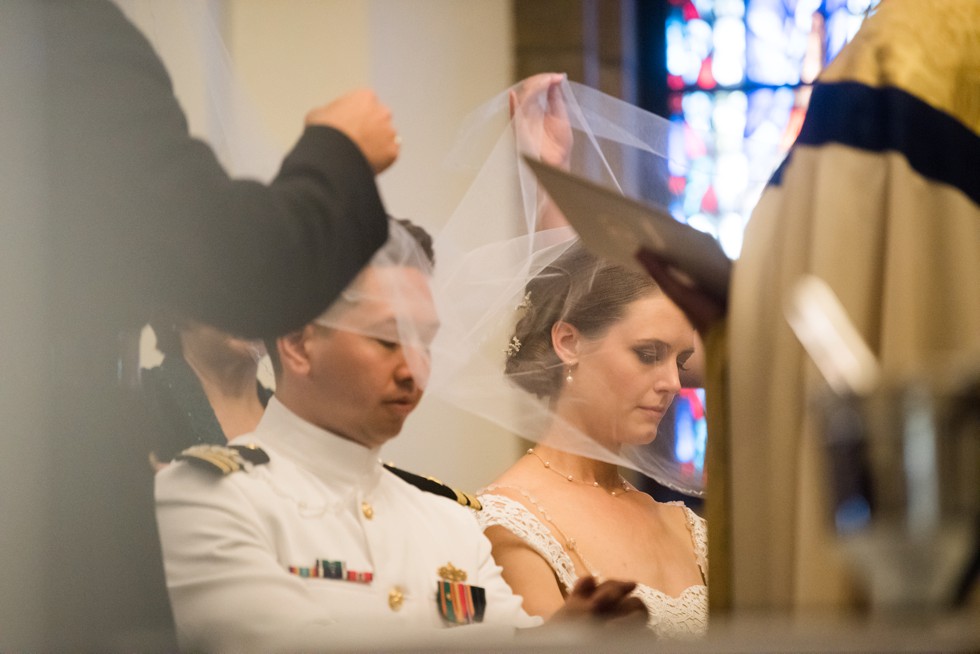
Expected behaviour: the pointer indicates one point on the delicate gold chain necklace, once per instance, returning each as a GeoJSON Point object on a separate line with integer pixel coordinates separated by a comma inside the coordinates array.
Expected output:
{"type": "Point", "coordinates": [615, 493]}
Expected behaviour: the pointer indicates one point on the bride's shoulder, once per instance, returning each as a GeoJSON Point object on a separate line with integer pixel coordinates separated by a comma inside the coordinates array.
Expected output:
{"type": "Point", "coordinates": [678, 505]}
{"type": "Point", "coordinates": [515, 482]}
{"type": "Point", "coordinates": [506, 493]}
{"type": "Point", "coordinates": [517, 490]}
{"type": "Point", "coordinates": [681, 513]}
{"type": "Point", "coordinates": [513, 508]}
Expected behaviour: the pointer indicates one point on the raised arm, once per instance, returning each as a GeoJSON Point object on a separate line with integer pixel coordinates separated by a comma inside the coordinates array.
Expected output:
{"type": "Point", "coordinates": [151, 214]}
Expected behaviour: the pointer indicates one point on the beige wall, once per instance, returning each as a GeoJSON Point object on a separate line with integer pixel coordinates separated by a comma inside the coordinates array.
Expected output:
{"type": "Point", "coordinates": [431, 61]}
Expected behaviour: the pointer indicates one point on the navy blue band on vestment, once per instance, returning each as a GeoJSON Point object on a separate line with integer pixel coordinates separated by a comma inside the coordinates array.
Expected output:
{"type": "Point", "coordinates": [935, 144]}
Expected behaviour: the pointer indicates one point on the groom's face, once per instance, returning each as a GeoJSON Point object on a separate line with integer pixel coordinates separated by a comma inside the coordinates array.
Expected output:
{"type": "Point", "coordinates": [369, 367]}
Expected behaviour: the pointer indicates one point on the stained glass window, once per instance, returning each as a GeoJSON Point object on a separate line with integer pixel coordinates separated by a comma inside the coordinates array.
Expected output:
{"type": "Point", "coordinates": [739, 75]}
{"type": "Point", "coordinates": [738, 78]}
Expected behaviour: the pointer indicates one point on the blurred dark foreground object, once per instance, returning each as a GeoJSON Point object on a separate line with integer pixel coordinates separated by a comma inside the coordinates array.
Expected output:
{"type": "Point", "coordinates": [109, 208]}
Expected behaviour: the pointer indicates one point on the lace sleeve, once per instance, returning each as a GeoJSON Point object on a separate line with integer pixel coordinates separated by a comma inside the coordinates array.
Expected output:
{"type": "Point", "coordinates": [513, 516]}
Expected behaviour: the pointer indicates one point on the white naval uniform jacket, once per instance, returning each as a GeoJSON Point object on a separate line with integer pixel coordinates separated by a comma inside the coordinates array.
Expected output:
{"type": "Point", "coordinates": [229, 542]}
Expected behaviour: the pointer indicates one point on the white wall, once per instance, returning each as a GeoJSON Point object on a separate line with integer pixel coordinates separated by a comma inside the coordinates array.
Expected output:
{"type": "Point", "coordinates": [431, 61]}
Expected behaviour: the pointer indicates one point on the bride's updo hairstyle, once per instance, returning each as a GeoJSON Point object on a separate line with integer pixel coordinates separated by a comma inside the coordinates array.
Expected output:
{"type": "Point", "coordinates": [581, 289]}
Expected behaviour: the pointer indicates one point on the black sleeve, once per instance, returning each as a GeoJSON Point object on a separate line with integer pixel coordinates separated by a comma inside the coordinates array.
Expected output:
{"type": "Point", "coordinates": [267, 259]}
{"type": "Point", "coordinates": [145, 215]}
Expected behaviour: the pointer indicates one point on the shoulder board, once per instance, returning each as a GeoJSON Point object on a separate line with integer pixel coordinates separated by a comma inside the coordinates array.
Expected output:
{"type": "Point", "coordinates": [224, 459]}
{"type": "Point", "coordinates": [436, 487]}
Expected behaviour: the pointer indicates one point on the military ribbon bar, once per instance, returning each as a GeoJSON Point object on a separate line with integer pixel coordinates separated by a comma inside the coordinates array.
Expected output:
{"type": "Point", "coordinates": [325, 569]}
{"type": "Point", "coordinates": [460, 603]}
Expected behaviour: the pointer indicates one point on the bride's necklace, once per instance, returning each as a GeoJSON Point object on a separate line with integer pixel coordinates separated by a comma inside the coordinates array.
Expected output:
{"type": "Point", "coordinates": [547, 464]}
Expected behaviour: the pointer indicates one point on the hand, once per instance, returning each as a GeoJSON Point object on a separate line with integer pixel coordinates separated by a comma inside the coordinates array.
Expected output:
{"type": "Point", "coordinates": [361, 116]}
{"type": "Point", "coordinates": [541, 119]}
{"type": "Point", "coordinates": [605, 603]}
{"type": "Point", "coordinates": [702, 309]}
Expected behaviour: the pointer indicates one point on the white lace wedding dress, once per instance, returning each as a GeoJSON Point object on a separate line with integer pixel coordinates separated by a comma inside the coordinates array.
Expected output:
{"type": "Point", "coordinates": [684, 616]}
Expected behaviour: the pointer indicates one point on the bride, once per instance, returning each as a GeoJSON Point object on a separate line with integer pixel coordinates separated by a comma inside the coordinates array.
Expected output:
{"type": "Point", "coordinates": [605, 348]}
{"type": "Point", "coordinates": [586, 367]}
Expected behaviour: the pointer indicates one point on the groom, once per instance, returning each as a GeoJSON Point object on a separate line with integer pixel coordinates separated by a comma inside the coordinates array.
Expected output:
{"type": "Point", "coordinates": [297, 537]}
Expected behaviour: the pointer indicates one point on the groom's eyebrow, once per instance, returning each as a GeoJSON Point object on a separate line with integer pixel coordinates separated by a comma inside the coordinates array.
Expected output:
{"type": "Point", "coordinates": [392, 324]}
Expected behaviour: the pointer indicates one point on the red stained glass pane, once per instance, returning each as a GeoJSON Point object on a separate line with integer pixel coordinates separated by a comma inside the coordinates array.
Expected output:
{"type": "Point", "coordinates": [705, 79]}
{"type": "Point", "coordinates": [677, 184]}
{"type": "Point", "coordinates": [675, 82]}
{"type": "Point", "coordinates": [709, 201]}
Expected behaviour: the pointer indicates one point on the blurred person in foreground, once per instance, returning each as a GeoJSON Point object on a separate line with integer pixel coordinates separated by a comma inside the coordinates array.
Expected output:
{"type": "Point", "coordinates": [296, 537]}
{"type": "Point", "coordinates": [112, 210]}
{"type": "Point", "coordinates": [879, 198]}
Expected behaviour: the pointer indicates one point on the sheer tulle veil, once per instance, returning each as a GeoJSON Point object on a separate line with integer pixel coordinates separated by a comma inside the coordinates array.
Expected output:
{"type": "Point", "coordinates": [505, 233]}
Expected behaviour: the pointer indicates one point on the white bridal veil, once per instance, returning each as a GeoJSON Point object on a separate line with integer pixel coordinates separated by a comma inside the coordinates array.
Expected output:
{"type": "Point", "coordinates": [506, 234]}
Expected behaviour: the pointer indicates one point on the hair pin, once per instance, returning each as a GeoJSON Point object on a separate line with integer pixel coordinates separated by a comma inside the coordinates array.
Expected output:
{"type": "Point", "coordinates": [514, 347]}
{"type": "Point", "coordinates": [525, 304]}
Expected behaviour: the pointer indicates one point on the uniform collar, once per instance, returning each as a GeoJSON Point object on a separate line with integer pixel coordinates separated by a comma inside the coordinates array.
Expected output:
{"type": "Point", "coordinates": [330, 457]}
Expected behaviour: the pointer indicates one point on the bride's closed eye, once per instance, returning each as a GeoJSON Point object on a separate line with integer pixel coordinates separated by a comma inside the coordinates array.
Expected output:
{"type": "Point", "coordinates": [649, 355]}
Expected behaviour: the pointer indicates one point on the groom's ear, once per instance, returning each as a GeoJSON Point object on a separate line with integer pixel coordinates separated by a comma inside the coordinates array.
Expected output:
{"type": "Point", "coordinates": [294, 351]}
{"type": "Point", "coordinates": [566, 339]}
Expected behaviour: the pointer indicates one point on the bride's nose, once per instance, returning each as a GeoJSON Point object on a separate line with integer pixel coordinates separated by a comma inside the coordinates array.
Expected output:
{"type": "Point", "coordinates": [669, 380]}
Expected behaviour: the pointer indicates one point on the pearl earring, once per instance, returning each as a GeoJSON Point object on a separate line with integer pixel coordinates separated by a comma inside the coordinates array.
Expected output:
{"type": "Point", "coordinates": [568, 377]}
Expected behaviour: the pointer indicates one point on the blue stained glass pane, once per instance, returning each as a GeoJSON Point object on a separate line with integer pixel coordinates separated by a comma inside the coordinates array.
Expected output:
{"type": "Point", "coordinates": [731, 171]}
{"type": "Point", "coordinates": [706, 8]}
{"type": "Point", "coordinates": [697, 110]}
{"type": "Point", "coordinates": [843, 24]}
{"type": "Point", "coordinates": [699, 35]}
{"type": "Point", "coordinates": [679, 60]}
{"type": "Point", "coordinates": [678, 163]}
{"type": "Point", "coordinates": [728, 64]}
{"type": "Point", "coordinates": [728, 119]}
{"type": "Point", "coordinates": [780, 34]}
{"type": "Point", "coordinates": [774, 46]}
{"type": "Point", "coordinates": [690, 432]}
{"type": "Point", "coordinates": [768, 113]}
{"type": "Point", "coordinates": [763, 54]}
{"type": "Point", "coordinates": [689, 45]}
{"type": "Point", "coordinates": [730, 8]}
{"type": "Point", "coordinates": [803, 14]}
